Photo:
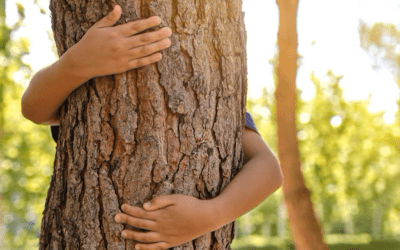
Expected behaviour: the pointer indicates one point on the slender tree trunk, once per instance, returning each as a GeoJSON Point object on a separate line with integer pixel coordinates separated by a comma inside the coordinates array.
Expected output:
{"type": "Point", "coordinates": [376, 219]}
{"type": "Point", "coordinates": [305, 228]}
{"type": "Point", "coordinates": [172, 127]}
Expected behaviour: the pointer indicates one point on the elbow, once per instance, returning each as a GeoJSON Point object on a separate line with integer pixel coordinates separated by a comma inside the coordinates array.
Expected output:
{"type": "Point", "coordinates": [274, 173]}
{"type": "Point", "coordinates": [25, 111]}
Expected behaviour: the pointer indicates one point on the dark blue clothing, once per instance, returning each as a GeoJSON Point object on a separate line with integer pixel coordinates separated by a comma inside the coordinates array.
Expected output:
{"type": "Point", "coordinates": [249, 122]}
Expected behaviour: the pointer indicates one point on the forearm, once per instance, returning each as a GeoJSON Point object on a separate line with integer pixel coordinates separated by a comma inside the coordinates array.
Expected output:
{"type": "Point", "coordinates": [48, 89]}
{"type": "Point", "coordinates": [258, 179]}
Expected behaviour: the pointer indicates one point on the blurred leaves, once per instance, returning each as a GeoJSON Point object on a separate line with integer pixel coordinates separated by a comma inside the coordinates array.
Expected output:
{"type": "Point", "coordinates": [26, 150]}
{"type": "Point", "coordinates": [350, 156]}
{"type": "Point", "coordinates": [382, 38]}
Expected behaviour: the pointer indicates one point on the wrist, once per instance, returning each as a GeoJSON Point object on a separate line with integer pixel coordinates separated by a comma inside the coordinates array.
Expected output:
{"type": "Point", "coordinates": [215, 218]}
{"type": "Point", "coordinates": [70, 64]}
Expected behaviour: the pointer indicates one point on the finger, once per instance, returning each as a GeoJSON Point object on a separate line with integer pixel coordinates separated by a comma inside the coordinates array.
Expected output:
{"type": "Point", "coordinates": [137, 212]}
{"type": "Point", "coordinates": [132, 28]}
{"type": "Point", "coordinates": [146, 50]}
{"type": "Point", "coordinates": [150, 236]}
{"type": "Point", "coordinates": [111, 18]}
{"type": "Point", "coordinates": [136, 222]}
{"type": "Point", "coordinates": [144, 61]}
{"type": "Point", "coordinates": [159, 245]}
{"type": "Point", "coordinates": [150, 37]}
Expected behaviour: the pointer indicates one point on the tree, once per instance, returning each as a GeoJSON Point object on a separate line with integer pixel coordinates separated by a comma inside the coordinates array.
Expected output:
{"type": "Point", "coordinates": [306, 230]}
{"type": "Point", "coordinates": [171, 127]}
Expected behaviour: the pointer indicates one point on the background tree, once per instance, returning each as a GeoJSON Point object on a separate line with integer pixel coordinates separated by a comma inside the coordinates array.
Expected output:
{"type": "Point", "coordinates": [172, 127]}
{"type": "Point", "coordinates": [305, 228]}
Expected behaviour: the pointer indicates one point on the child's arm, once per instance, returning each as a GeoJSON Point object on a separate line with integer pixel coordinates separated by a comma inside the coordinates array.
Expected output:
{"type": "Point", "coordinates": [259, 178]}
{"type": "Point", "coordinates": [47, 90]}
{"type": "Point", "coordinates": [103, 50]}
{"type": "Point", "coordinates": [176, 219]}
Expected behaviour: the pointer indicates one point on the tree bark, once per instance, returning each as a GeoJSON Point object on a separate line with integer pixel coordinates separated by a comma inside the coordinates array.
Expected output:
{"type": "Point", "coordinates": [306, 231]}
{"type": "Point", "coordinates": [172, 127]}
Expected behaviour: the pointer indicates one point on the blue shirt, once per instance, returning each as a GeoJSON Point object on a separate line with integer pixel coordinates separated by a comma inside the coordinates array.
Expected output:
{"type": "Point", "coordinates": [249, 123]}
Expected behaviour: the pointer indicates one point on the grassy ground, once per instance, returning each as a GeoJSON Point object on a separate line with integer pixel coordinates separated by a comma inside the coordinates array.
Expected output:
{"type": "Point", "coordinates": [335, 242]}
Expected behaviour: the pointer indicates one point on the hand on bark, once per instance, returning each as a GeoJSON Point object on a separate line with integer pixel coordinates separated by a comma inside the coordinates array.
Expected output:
{"type": "Point", "coordinates": [106, 50]}
{"type": "Point", "coordinates": [172, 220]}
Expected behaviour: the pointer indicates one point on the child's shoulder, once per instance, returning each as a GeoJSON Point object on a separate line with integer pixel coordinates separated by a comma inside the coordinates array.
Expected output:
{"type": "Point", "coordinates": [249, 122]}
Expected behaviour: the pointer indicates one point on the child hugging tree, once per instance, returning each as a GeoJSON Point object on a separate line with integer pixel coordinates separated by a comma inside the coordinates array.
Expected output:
{"type": "Point", "coordinates": [171, 220]}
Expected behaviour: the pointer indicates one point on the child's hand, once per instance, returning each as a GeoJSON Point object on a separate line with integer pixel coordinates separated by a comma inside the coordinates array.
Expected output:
{"type": "Point", "coordinates": [172, 220]}
{"type": "Point", "coordinates": [106, 50]}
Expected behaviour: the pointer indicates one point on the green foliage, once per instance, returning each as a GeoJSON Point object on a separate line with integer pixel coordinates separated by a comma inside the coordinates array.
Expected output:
{"type": "Point", "coordinates": [334, 242]}
{"type": "Point", "coordinates": [349, 155]}
{"type": "Point", "coordinates": [349, 159]}
{"type": "Point", "coordinates": [26, 153]}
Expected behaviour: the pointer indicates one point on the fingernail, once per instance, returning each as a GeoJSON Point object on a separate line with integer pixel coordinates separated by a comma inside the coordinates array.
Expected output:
{"type": "Point", "coordinates": [158, 20]}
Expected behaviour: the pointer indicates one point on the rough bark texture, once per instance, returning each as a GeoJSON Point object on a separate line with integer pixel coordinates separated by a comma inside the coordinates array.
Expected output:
{"type": "Point", "coordinates": [172, 127]}
{"type": "Point", "coordinates": [305, 228]}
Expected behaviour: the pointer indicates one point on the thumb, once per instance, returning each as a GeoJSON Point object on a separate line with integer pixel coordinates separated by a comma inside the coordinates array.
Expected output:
{"type": "Point", "coordinates": [157, 202]}
{"type": "Point", "coordinates": [111, 18]}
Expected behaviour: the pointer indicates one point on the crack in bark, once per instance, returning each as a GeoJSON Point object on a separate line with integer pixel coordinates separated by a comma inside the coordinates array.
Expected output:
{"type": "Point", "coordinates": [101, 212]}
{"type": "Point", "coordinates": [212, 129]}
{"type": "Point", "coordinates": [221, 68]}
{"type": "Point", "coordinates": [63, 243]}
{"type": "Point", "coordinates": [93, 85]}
{"type": "Point", "coordinates": [82, 174]}
{"type": "Point", "coordinates": [221, 177]}
{"type": "Point", "coordinates": [177, 168]}
{"type": "Point", "coordinates": [213, 240]}
{"type": "Point", "coordinates": [173, 14]}
{"type": "Point", "coordinates": [229, 15]}
{"type": "Point", "coordinates": [152, 172]}
{"type": "Point", "coordinates": [64, 42]}
{"type": "Point", "coordinates": [189, 59]}
{"type": "Point", "coordinates": [194, 244]}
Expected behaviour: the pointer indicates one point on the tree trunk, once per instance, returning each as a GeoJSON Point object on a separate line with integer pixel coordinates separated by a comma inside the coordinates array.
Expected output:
{"type": "Point", "coordinates": [377, 210]}
{"type": "Point", "coordinates": [305, 228]}
{"type": "Point", "coordinates": [172, 127]}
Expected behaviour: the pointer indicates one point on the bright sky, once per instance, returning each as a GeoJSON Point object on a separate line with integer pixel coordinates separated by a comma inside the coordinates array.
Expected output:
{"type": "Point", "coordinates": [333, 25]}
